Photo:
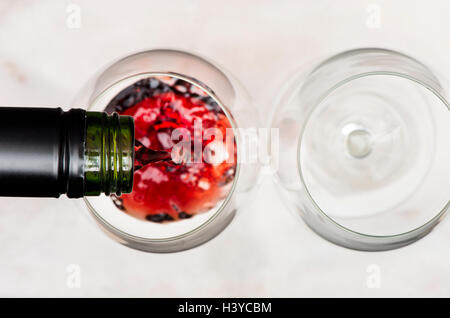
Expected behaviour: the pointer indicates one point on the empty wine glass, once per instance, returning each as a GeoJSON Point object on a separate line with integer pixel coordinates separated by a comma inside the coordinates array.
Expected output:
{"type": "Point", "coordinates": [173, 207]}
{"type": "Point", "coordinates": [365, 149]}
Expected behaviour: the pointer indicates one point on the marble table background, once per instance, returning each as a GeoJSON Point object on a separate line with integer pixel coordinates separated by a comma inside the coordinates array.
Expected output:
{"type": "Point", "coordinates": [44, 60]}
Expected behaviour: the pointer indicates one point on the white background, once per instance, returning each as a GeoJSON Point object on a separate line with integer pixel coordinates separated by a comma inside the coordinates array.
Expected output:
{"type": "Point", "coordinates": [266, 251]}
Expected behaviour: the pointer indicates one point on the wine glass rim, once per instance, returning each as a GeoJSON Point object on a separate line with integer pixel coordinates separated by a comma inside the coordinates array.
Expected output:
{"type": "Point", "coordinates": [320, 100]}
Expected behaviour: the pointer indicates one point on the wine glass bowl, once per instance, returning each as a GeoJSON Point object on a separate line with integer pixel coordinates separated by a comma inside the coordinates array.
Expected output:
{"type": "Point", "coordinates": [174, 207]}
{"type": "Point", "coordinates": [372, 127]}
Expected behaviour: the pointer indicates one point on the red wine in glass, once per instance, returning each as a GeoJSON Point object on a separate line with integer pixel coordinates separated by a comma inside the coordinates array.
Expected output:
{"type": "Point", "coordinates": [164, 190]}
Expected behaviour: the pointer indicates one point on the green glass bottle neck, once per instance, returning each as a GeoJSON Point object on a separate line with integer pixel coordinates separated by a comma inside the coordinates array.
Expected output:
{"type": "Point", "coordinates": [109, 154]}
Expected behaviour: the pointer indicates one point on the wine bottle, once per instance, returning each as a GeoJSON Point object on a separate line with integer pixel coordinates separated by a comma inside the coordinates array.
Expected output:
{"type": "Point", "coordinates": [46, 152]}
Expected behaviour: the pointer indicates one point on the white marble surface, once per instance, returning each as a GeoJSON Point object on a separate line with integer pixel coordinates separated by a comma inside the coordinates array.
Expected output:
{"type": "Point", "coordinates": [266, 251]}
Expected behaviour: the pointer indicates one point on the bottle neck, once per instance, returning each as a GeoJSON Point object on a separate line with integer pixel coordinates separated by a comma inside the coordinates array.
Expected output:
{"type": "Point", "coordinates": [108, 154]}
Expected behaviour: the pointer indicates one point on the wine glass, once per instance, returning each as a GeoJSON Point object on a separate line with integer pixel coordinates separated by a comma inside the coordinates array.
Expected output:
{"type": "Point", "coordinates": [174, 78]}
{"type": "Point", "coordinates": [365, 149]}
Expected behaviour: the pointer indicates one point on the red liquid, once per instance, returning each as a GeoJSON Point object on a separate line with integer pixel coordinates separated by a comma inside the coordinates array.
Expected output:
{"type": "Point", "coordinates": [162, 190]}
{"type": "Point", "coordinates": [144, 156]}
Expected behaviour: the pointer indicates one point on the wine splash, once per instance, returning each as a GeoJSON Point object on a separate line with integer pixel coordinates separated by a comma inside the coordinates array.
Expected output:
{"type": "Point", "coordinates": [144, 156]}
